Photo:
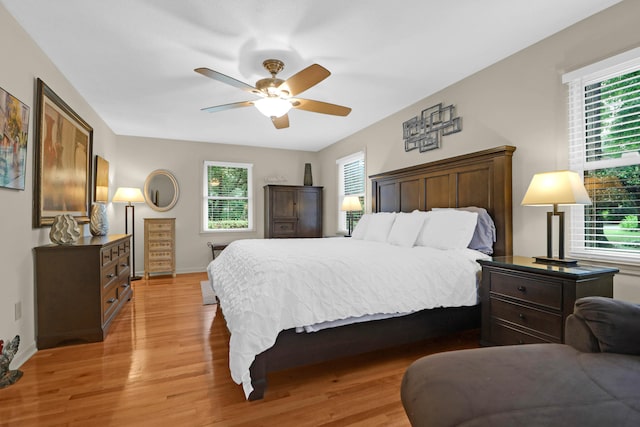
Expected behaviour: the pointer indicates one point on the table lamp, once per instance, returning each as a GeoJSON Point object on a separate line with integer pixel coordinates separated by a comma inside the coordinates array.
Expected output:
{"type": "Point", "coordinates": [130, 195]}
{"type": "Point", "coordinates": [350, 204]}
{"type": "Point", "coordinates": [553, 189]}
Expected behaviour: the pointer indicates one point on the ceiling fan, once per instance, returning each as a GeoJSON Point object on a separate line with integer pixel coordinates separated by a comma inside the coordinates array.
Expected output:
{"type": "Point", "coordinates": [278, 96]}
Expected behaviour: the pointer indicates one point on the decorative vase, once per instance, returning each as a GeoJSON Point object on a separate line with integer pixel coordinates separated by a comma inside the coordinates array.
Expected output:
{"type": "Point", "coordinates": [308, 178]}
{"type": "Point", "coordinates": [64, 230]}
{"type": "Point", "coordinates": [99, 225]}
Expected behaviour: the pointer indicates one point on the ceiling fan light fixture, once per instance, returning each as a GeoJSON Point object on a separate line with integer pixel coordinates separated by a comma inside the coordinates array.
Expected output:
{"type": "Point", "coordinates": [273, 106]}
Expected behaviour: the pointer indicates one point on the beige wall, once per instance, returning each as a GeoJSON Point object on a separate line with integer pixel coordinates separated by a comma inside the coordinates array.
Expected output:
{"type": "Point", "coordinates": [22, 63]}
{"type": "Point", "coordinates": [519, 101]}
{"type": "Point", "coordinates": [137, 157]}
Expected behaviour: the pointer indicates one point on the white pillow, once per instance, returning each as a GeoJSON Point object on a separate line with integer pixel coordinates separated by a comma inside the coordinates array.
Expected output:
{"type": "Point", "coordinates": [406, 228]}
{"type": "Point", "coordinates": [448, 229]}
{"type": "Point", "coordinates": [379, 225]}
{"type": "Point", "coordinates": [361, 227]}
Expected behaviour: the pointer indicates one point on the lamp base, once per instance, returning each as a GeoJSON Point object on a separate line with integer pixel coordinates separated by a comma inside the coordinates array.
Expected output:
{"type": "Point", "coordinates": [562, 262]}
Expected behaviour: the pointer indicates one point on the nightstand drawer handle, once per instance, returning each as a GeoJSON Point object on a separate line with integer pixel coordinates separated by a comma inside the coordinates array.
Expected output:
{"type": "Point", "coordinates": [522, 288]}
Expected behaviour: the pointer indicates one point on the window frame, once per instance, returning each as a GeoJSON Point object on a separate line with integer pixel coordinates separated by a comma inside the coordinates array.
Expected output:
{"type": "Point", "coordinates": [340, 163]}
{"type": "Point", "coordinates": [576, 81]}
{"type": "Point", "coordinates": [206, 197]}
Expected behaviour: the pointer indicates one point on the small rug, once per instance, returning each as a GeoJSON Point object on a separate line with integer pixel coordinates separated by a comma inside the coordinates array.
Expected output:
{"type": "Point", "coordinates": [208, 296]}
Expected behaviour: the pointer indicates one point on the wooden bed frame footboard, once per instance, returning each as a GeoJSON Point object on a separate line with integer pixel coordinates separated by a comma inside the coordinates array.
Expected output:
{"type": "Point", "coordinates": [481, 179]}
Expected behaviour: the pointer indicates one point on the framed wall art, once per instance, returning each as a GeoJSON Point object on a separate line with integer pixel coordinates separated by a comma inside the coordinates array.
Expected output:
{"type": "Point", "coordinates": [63, 154]}
{"type": "Point", "coordinates": [101, 189]}
{"type": "Point", "coordinates": [14, 133]}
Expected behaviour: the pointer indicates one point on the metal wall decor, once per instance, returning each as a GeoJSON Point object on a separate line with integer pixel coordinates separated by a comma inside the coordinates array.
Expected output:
{"type": "Point", "coordinates": [424, 133]}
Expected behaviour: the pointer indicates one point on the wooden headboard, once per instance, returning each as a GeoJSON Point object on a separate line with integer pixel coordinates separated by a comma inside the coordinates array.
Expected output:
{"type": "Point", "coordinates": [480, 179]}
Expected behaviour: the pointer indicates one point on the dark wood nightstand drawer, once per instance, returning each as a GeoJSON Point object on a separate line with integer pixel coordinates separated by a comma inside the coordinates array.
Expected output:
{"type": "Point", "coordinates": [507, 335]}
{"type": "Point", "coordinates": [528, 289]}
{"type": "Point", "coordinates": [542, 321]}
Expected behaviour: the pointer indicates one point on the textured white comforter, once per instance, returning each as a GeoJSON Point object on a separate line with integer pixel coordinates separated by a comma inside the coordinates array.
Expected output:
{"type": "Point", "coordinates": [269, 285]}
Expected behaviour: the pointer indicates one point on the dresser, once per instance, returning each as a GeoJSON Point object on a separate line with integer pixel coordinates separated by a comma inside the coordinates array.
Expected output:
{"type": "Point", "coordinates": [524, 302]}
{"type": "Point", "coordinates": [292, 211]}
{"type": "Point", "coordinates": [159, 246]}
{"type": "Point", "coordinates": [80, 288]}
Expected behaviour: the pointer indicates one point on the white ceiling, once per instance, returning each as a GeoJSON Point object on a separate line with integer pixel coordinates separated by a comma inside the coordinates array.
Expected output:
{"type": "Point", "coordinates": [133, 60]}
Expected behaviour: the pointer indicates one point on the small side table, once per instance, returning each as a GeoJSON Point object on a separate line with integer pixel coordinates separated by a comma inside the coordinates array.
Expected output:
{"type": "Point", "coordinates": [215, 248]}
{"type": "Point", "coordinates": [524, 302]}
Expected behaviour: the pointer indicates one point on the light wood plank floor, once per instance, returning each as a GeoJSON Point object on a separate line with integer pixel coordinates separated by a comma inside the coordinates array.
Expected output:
{"type": "Point", "coordinates": [165, 362]}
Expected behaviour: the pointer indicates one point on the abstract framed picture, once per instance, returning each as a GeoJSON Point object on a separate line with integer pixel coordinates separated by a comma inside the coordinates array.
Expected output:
{"type": "Point", "coordinates": [14, 129]}
{"type": "Point", "coordinates": [63, 154]}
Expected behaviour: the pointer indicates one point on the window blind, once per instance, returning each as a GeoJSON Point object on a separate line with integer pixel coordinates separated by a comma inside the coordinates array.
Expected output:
{"type": "Point", "coordinates": [227, 196]}
{"type": "Point", "coordinates": [604, 130]}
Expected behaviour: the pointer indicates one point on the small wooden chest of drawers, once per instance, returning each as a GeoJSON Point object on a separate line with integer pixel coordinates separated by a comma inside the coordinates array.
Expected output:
{"type": "Point", "coordinates": [159, 246]}
{"type": "Point", "coordinates": [80, 288]}
{"type": "Point", "coordinates": [525, 302]}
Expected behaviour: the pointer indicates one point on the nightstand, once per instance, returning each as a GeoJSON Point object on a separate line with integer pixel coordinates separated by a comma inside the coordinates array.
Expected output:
{"type": "Point", "coordinates": [524, 302]}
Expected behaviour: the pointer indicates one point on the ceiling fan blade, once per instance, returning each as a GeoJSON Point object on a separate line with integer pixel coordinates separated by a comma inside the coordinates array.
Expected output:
{"type": "Point", "coordinates": [226, 79]}
{"type": "Point", "coordinates": [320, 107]}
{"type": "Point", "coordinates": [281, 122]}
{"type": "Point", "coordinates": [303, 80]}
{"type": "Point", "coordinates": [227, 106]}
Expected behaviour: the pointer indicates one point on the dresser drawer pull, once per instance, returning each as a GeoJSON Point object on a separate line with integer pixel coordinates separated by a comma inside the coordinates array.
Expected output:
{"type": "Point", "coordinates": [125, 285]}
{"type": "Point", "coordinates": [111, 300]}
{"type": "Point", "coordinates": [522, 288]}
{"type": "Point", "coordinates": [522, 316]}
{"type": "Point", "coordinates": [124, 264]}
{"type": "Point", "coordinates": [111, 275]}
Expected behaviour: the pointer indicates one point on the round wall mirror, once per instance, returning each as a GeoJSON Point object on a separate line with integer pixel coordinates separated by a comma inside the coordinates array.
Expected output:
{"type": "Point", "coordinates": [161, 190]}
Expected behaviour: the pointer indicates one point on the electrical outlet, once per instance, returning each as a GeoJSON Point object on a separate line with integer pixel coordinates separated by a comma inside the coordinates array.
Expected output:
{"type": "Point", "coordinates": [18, 310]}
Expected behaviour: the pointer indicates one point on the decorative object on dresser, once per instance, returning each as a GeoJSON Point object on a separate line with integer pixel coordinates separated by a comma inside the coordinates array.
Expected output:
{"type": "Point", "coordinates": [13, 156]}
{"type": "Point", "coordinates": [129, 196]}
{"type": "Point", "coordinates": [7, 352]}
{"type": "Point", "coordinates": [80, 288]}
{"type": "Point", "coordinates": [553, 189]}
{"type": "Point", "coordinates": [425, 132]}
{"type": "Point", "coordinates": [99, 225]}
{"type": "Point", "coordinates": [308, 177]}
{"type": "Point", "coordinates": [64, 230]}
{"type": "Point", "coordinates": [292, 211]}
{"type": "Point", "coordinates": [62, 171]}
{"type": "Point", "coordinates": [159, 246]}
{"type": "Point", "coordinates": [350, 204]}
{"type": "Point", "coordinates": [526, 302]}
{"type": "Point", "coordinates": [161, 190]}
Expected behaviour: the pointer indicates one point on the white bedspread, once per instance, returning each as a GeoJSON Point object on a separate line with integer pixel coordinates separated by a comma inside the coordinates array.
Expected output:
{"type": "Point", "coordinates": [269, 285]}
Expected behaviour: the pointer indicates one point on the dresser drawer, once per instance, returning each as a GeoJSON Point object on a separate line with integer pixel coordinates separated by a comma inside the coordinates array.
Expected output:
{"type": "Point", "coordinates": [158, 226]}
{"type": "Point", "coordinates": [160, 256]}
{"type": "Point", "coordinates": [284, 228]}
{"type": "Point", "coordinates": [162, 245]}
{"type": "Point", "coordinates": [542, 321]}
{"type": "Point", "coordinates": [108, 273]}
{"type": "Point", "coordinates": [155, 266]}
{"type": "Point", "coordinates": [546, 293]}
{"type": "Point", "coordinates": [105, 256]}
{"type": "Point", "coordinates": [122, 265]}
{"type": "Point", "coordinates": [507, 335]}
{"type": "Point", "coordinates": [109, 302]}
{"type": "Point", "coordinates": [123, 248]}
{"type": "Point", "coordinates": [160, 235]}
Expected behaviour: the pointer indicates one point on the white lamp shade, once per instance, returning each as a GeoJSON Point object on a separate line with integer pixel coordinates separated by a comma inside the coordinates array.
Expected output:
{"type": "Point", "coordinates": [350, 204]}
{"type": "Point", "coordinates": [556, 188]}
{"type": "Point", "coordinates": [128, 195]}
{"type": "Point", "coordinates": [273, 106]}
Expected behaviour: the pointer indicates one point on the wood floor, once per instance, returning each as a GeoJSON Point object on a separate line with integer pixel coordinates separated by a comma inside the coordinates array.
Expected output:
{"type": "Point", "coordinates": [165, 362]}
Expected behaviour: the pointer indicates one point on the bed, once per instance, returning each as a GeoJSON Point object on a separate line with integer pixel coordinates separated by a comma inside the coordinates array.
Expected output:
{"type": "Point", "coordinates": [481, 179]}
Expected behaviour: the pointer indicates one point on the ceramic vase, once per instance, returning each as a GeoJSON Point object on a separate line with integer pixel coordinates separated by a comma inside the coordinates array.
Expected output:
{"type": "Point", "coordinates": [64, 230]}
{"type": "Point", "coordinates": [308, 178]}
{"type": "Point", "coordinates": [99, 225]}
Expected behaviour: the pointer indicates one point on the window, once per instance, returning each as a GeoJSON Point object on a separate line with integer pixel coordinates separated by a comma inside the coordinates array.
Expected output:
{"type": "Point", "coordinates": [227, 197]}
{"type": "Point", "coordinates": [350, 183]}
{"type": "Point", "coordinates": [604, 120]}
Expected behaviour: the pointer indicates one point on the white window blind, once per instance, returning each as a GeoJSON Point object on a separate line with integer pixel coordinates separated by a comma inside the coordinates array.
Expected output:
{"type": "Point", "coordinates": [227, 196]}
{"type": "Point", "coordinates": [351, 182]}
{"type": "Point", "coordinates": [604, 120]}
